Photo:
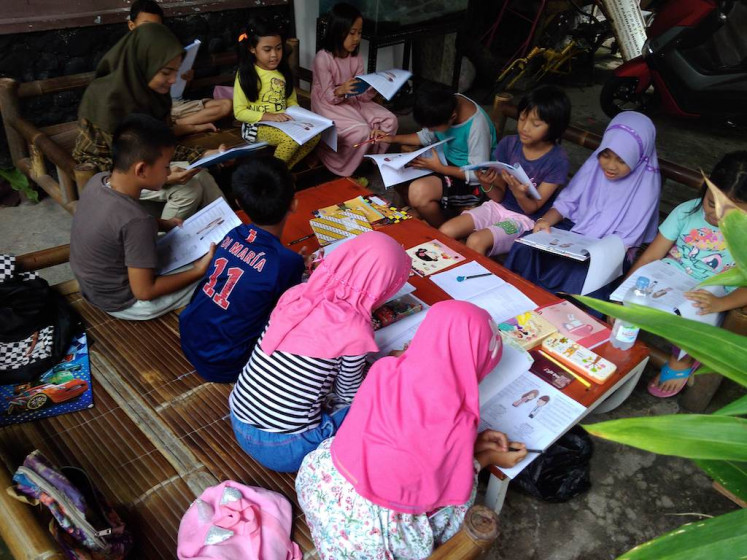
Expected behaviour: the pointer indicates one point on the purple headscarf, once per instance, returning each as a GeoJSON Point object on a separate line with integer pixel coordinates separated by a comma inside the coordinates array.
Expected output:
{"type": "Point", "coordinates": [627, 207]}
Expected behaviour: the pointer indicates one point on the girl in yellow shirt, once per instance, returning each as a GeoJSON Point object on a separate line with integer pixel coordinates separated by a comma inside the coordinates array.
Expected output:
{"type": "Point", "coordinates": [264, 90]}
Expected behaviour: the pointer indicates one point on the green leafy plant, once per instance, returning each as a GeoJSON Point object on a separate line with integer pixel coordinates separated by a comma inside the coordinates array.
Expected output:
{"type": "Point", "coordinates": [716, 442]}
{"type": "Point", "coordinates": [19, 182]}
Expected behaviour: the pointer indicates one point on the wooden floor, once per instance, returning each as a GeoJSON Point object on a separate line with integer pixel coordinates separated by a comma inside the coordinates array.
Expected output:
{"type": "Point", "coordinates": [157, 436]}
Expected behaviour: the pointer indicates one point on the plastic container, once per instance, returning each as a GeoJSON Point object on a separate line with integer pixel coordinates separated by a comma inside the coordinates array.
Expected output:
{"type": "Point", "coordinates": [623, 333]}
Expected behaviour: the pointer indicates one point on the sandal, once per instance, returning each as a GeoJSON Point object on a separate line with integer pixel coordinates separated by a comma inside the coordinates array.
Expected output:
{"type": "Point", "coordinates": [667, 374]}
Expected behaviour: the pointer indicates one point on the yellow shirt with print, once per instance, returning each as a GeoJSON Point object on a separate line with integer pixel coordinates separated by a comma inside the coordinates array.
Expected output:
{"type": "Point", "coordinates": [271, 97]}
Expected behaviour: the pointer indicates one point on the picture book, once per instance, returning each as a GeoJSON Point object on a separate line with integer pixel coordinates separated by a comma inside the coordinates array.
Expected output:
{"type": "Point", "coordinates": [305, 125]}
{"type": "Point", "coordinates": [358, 204]}
{"type": "Point", "coordinates": [666, 291]}
{"type": "Point", "coordinates": [386, 82]}
{"type": "Point", "coordinates": [549, 371]}
{"type": "Point", "coordinates": [572, 322]}
{"type": "Point", "coordinates": [227, 155]}
{"type": "Point", "coordinates": [579, 359]}
{"type": "Point", "coordinates": [516, 171]}
{"type": "Point", "coordinates": [187, 243]}
{"type": "Point", "coordinates": [432, 256]}
{"type": "Point", "coordinates": [392, 214]}
{"type": "Point", "coordinates": [190, 53]}
{"type": "Point", "coordinates": [527, 329]}
{"type": "Point", "coordinates": [339, 225]}
{"type": "Point", "coordinates": [395, 169]}
{"type": "Point", "coordinates": [64, 388]}
{"type": "Point", "coordinates": [605, 255]}
{"type": "Point", "coordinates": [395, 310]}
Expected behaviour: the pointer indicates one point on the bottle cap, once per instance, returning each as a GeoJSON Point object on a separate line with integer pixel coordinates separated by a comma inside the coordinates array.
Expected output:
{"type": "Point", "coordinates": [642, 283]}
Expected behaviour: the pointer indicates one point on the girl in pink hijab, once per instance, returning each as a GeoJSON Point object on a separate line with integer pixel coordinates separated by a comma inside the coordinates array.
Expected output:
{"type": "Point", "coordinates": [308, 364]}
{"type": "Point", "coordinates": [401, 473]}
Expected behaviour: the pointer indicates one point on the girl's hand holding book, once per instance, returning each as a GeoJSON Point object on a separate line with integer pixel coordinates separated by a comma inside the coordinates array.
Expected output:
{"type": "Point", "coordinates": [276, 117]}
{"type": "Point", "coordinates": [514, 184]}
{"type": "Point", "coordinates": [347, 88]}
{"type": "Point", "coordinates": [541, 225]}
{"type": "Point", "coordinates": [705, 301]}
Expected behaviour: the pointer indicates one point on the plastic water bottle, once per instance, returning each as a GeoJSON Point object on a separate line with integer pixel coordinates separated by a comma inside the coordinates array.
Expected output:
{"type": "Point", "coordinates": [623, 333]}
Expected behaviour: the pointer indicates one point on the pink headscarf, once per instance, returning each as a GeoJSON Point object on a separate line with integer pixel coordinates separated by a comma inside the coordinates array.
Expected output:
{"type": "Point", "coordinates": [330, 315]}
{"type": "Point", "coordinates": [407, 443]}
{"type": "Point", "coordinates": [627, 207]}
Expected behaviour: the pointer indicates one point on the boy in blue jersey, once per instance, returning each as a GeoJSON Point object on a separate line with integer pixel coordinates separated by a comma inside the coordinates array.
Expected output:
{"type": "Point", "coordinates": [444, 114]}
{"type": "Point", "coordinates": [249, 272]}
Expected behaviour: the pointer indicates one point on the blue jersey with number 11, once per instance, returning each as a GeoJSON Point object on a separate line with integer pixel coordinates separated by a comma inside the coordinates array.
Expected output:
{"type": "Point", "coordinates": [229, 309]}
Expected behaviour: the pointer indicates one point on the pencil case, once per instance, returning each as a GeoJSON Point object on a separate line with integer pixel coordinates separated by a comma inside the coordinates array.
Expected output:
{"type": "Point", "coordinates": [578, 358]}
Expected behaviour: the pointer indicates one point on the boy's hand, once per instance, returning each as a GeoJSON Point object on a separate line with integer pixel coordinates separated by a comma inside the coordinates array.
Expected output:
{"type": "Point", "coordinates": [179, 176]}
{"type": "Point", "coordinates": [705, 301]}
{"type": "Point", "coordinates": [378, 135]}
{"type": "Point", "coordinates": [219, 150]}
{"type": "Point", "coordinates": [276, 117]}
{"type": "Point", "coordinates": [431, 162]}
{"type": "Point", "coordinates": [346, 88]}
{"type": "Point", "coordinates": [171, 223]}
{"type": "Point", "coordinates": [203, 263]}
{"type": "Point", "coordinates": [514, 184]}
{"type": "Point", "coordinates": [398, 353]}
{"type": "Point", "coordinates": [541, 225]}
{"type": "Point", "coordinates": [308, 259]}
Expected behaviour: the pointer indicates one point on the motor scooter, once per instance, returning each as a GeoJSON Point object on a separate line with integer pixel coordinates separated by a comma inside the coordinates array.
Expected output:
{"type": "Point", "coordinates": [693, 64]}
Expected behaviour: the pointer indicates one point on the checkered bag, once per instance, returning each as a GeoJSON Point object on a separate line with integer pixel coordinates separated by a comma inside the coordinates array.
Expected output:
{"type": "Point", "coordinates": [36, 324]}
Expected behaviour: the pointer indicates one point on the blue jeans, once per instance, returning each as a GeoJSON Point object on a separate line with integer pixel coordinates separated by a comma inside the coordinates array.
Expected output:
{"type": "Point", "coordinates": [284, 452]}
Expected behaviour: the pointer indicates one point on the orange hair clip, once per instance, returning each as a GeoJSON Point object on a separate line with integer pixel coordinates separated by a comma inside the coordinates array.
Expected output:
{"type": "Point", "coordinates": [243, 36]}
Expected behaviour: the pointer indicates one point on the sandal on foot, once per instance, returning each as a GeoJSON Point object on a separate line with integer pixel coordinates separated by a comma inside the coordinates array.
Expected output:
{"type": "Point", "coordinates": [667, 374]}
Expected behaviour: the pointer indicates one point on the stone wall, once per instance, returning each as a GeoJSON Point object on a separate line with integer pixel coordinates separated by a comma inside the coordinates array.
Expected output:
{"type": "Point", "coordinates": [49, 54]}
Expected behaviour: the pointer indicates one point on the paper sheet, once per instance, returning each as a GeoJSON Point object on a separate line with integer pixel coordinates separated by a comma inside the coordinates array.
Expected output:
{"type": "Point", "coordinates": [530, 411]}
{"type": "Point", "coordinates": [447, 281]}
{"type": "Point", "coordinates": [605, 263]}
{"type": "Point", "coordinates": [190, 53]}
{"type": "Point", "coordinates": [514, 362]}
{"type": "Point", "coordinates": [186, 244]}
{"type": "Point", "coordinates": [396, 335]}
{"type": "Point", "coordinates": [503, 302]}
{"type": "Point", "coordinates": [392, 166]}
{"type": "Point", "coordinates": [386, 82]}
{"type": "Point", "coordinates": [305, 125]}
{"type": "Point", "coordinates": [517, 171]}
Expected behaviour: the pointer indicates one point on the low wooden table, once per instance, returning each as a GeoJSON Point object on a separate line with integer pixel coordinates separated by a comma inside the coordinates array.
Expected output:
{"type": "Point", "coordinates": [630, 364]}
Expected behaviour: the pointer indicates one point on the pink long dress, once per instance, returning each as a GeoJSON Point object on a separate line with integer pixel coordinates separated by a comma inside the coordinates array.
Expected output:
{"type": "Point", "coordinates": [354, 117]}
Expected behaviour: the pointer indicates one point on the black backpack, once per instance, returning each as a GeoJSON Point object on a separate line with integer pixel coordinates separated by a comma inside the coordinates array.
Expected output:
{"type": "Point", "coordinates": [37, 325]}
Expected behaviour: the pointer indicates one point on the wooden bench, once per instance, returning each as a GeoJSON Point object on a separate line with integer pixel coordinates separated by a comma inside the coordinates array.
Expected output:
{"type": "Point", "coordinates": [44, 154]}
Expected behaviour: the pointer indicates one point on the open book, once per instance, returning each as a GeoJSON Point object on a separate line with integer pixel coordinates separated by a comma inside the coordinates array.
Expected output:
{"type": "Point", "coordinates": [190, 53]}
{"type": "Point", "coordinates": [227, 155]}
{"type": "Point", "coordinates": [386, 82]}
{"type": "Point", "coordinates": [305, 125]}
{"type": "Point", "coordinates": [516, 171]}
{"type": "Point", "coordinates": [185, 244]}
{"type": "Point", "coordinates": [394, 167]}
{"type": "Point", "coordinates": [666, 291]}
{"type": "Point", "coordinates": [605, 255]}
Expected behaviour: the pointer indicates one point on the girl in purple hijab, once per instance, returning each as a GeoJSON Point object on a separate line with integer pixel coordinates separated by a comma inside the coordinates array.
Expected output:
{"type": "Point", "coordinates": [616, 192]}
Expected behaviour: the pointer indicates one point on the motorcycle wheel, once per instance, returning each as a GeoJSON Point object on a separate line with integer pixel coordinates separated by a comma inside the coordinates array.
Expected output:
{"type": "Point", "coordinates": [619, 94]}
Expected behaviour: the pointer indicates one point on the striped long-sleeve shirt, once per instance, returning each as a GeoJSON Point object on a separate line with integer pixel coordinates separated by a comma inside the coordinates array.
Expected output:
{"type": "Point", "coordinates": [284, 393]}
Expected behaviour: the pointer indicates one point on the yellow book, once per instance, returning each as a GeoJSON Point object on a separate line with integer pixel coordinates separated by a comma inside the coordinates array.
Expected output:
{"type": "Point", "coordinates": [339, 225]}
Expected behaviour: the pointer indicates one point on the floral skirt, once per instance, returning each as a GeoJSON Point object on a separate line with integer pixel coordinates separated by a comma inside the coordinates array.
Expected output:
{"type": "Point", "coordinates": [345, 525]}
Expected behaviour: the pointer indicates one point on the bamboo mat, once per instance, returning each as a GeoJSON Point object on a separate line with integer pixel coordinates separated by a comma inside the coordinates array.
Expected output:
{"type": "Point", "coordinates": [157, 436]}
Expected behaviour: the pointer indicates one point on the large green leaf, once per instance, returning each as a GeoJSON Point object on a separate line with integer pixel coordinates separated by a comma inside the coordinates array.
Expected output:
{"type": "Point", "coordinates": [732, 277]}
{"type": "Point", "coordinates": [18, 181]}
{"type": "Point", "coordinates": [695, 436]}
{"type": "Point", "coordinates": [736, 408]}
{"type": "Point", "coordinates": [717, 348]}
{"type": "Point", "coordinates": [729, 474]}
{"type": "Point", "coordinates": [720, 538]}
{"type": "Point", "coordinates": [734, 227]}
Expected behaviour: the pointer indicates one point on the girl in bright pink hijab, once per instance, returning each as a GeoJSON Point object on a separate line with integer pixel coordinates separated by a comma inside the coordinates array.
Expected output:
{"type": "Point", "coordinates": [404, 464]}
{"type": "Point", "coordinates": [308, 364]}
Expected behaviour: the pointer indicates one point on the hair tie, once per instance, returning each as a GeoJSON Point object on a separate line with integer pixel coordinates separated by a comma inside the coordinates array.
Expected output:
{"type": "Point", "coordinates": [243, 36]}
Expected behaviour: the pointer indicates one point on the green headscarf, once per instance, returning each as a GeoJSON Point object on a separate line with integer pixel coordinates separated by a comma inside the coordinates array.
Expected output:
{"type": "Point", "coordinates": [122, 76]}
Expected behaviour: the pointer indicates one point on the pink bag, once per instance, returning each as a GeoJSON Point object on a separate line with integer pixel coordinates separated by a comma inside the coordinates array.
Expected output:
{"type": "Point", "coordinates": [233, 521]}
{"type": "Point", "coordinates": [222, 92]}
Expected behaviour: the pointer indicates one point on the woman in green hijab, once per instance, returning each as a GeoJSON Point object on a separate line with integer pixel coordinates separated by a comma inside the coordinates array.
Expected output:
{"type": "Point", "coordinates": [135, 76]}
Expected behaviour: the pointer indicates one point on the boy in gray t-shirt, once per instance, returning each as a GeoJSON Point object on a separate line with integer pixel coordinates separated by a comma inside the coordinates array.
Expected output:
{"type": "Point", "coordinates": [113, 239]}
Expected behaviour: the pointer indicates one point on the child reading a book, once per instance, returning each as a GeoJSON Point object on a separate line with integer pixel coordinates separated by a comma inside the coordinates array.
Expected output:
{"type": "Point", "coordinates": [113, 239]}
{"type": "Point", "coordinates": [135, 76]}
{"type": "Point", "coordinates": [444, 114]}
{"type": "Point", "coordinates": [200, 114]}
{"type": "Point", "coordinates": [510, 211]}
{"type": "Point", "coordinates": [250, 270]}
{"type": "Point", "coordinates": [308, 364]}
{"type": "Point", "coordinates": [691, 240]}
{"type": "Point", "coordinates": [334, 94]}
{"type": "Point", "coordinates": [264, 90]}
{"type": "Point", "coordinates": [616, 192]}
{"type": "Point", "coordinates": [382, 482]}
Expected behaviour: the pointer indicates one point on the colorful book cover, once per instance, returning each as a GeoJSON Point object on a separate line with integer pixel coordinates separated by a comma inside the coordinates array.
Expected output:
{"type": "Point", "coordinates": [528, 329]}
{"type": "Point", "coordinates": [576, 324]}
{"type": "Point", "coordinates": [339, 225]}
{"type": "Point", "coordinates": [549, 371]}
{"type": "Point", "coordinates": [578, 358]}
{"type": "Point", "coordinates": [395, 310]}
{"type": "Point", "coordinates": [433, 256]}
{"type": "Point", "coordinates": [358, 204]}
{"type": "Point", "coordinates": [64, 388]}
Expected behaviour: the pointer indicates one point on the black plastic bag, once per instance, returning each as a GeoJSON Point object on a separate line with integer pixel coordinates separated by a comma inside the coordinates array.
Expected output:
{"type": "Point", "coordinates": [562, 471]}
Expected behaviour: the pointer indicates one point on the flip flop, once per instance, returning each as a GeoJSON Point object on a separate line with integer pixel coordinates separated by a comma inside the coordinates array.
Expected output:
{"type": "Point", "coordinates": [667, 374]}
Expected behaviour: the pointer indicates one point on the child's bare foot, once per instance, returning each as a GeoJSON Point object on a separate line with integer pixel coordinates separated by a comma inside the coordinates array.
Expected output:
{"type": "Point", "coordinates": [672, 378]}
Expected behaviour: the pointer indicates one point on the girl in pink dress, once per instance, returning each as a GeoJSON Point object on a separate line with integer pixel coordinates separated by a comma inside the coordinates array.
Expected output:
{"type": "Point", "coordinates": [333, 94]}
